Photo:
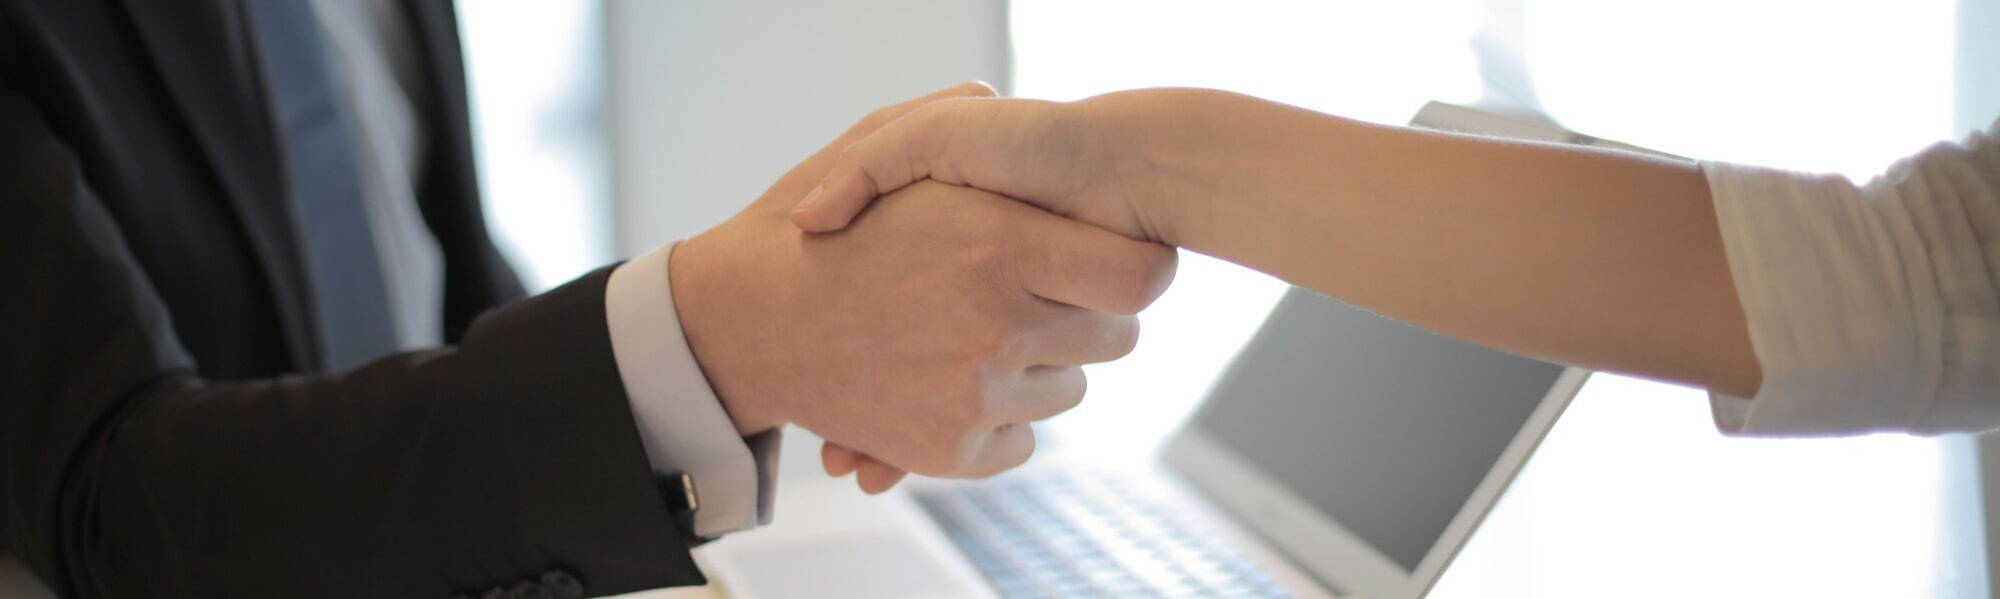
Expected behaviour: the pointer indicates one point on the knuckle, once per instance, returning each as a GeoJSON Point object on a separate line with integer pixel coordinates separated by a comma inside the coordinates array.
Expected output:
{"type": "Point", "coordinates": [971, 409]}
{"type": "Point", "coordinates": [982, 339]}
{"type": "Point", "coordinates": [1146, 278]}
{"type": "Point", "coordinates": [914, 114]}
{"type": "Point", "coordinates": [868, 123]}
{"type": "Point", "coordinates": [1165, 263]}
{"type": "Point", "coordinates": [843, 159]}
{"type": "Point", "coordinates": [1027, 445]}
{"type": "Point", "coordinates": [977, 409]}
{"type": "Point", "coordinates": [876, 118]}
{"type": "Point", "coordinates": [1072, 395]}
{"type": "Point", "coordinates": [936, 464]}
{"type": "Point", "coordinates": [932, 124]}
{"type": "Point", "coordinates": [944, 455]}
{"type": "Point", "coordinates": [976, 236]}
{"type": "Point", "coordinates": [975, 87]}
{"type": "Point", "coordinates": [1012, 445]}
{"type": "Point", "coordinates": [985, 252]}
{"type": "Point", "coordinates": [1129, 291]}
{"type": "Point", "coordinates": [990, 266]}
{"type": "Point", "coordinates": [1002, 236]}
{"type": "Point", "coordinates": [1123, 336]}
{"type": "Point", "coordinates": [964, 454]}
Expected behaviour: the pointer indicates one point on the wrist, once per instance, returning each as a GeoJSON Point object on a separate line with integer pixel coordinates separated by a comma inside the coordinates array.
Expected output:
{"type": "Point", "coordinates": [702, 287]}
{"type": "Point", "coordinates": [1161, 155]}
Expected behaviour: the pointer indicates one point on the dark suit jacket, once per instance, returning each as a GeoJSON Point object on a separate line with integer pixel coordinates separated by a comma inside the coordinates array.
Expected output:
{"type": "Point", "coordinates": [165, 430]}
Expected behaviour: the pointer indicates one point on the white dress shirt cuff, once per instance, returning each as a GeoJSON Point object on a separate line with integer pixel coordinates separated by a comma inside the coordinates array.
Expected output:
{"type": "Point", "coordinates": [681, 422]}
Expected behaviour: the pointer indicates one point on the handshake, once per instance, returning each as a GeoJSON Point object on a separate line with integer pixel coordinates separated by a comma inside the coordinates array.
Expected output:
{"type": "Point", "coordinates": [922, 334]}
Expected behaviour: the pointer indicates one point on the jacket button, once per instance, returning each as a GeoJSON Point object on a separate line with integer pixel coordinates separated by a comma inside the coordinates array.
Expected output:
{"type": "Point", "coordinates": [529, 590]}
{"type": "Point", "coordinates": [562, 584]}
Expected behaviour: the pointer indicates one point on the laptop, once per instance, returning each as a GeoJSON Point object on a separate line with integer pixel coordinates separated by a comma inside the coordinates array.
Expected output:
{"type": "Point", "coordinates": [1341, 454]}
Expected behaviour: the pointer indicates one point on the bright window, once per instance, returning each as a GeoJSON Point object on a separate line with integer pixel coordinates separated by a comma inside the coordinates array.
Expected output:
{"type": "Point", "coordinates": [534, 77]}
{"type": "Point", "coordinates": [1286, 50]}
{"type": "Point", "coordinates": [1634, 494]}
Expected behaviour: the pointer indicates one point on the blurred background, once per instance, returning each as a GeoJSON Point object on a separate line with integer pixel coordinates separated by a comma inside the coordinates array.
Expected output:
{"type": "Point", "coordinates": [608, 127]}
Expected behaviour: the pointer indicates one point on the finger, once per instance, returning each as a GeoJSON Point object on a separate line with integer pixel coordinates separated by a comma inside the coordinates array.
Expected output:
{"type": "Point", "coordinates": [964, 89]}
{"type": "Point", "coordinates": [1039, 393]}
{"type": "Point", "coordinates": [891, 157]}
{"type": "Point", "coordinates": [975, 142]}
{"type": "Point", "coordinates": [875, 477]}
{"type": "Point", "coordinates": [838, 460]}
{"type": "Point", "coordinates": [815, 167]}
{"type": "Point", "coordinates": [1088, 267]}
{"type": "Point", "coordinates": [846, 190]}
{"type": "Point", "coordinates": [888, 114]}
{"type": "Point", "coordinates": [1066, 335]}
{"type": "Point", "coordinates": [999, 451]}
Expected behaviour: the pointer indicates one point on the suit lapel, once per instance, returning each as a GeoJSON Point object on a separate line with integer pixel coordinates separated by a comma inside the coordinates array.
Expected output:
{"type": "Point", "coordinates": [205, 62]}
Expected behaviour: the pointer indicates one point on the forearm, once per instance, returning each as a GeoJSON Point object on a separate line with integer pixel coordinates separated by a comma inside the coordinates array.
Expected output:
{"type": "Point", "coordinates": [428, 471]}
{"type": "Point", "coordinates": [1602, 259]}
{"type": "Point", "coordinates": [503, 459]}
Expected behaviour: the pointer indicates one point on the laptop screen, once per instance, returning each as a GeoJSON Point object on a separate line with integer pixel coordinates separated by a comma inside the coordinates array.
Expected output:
{"type": "Point", "coordinates": [1382, 427]}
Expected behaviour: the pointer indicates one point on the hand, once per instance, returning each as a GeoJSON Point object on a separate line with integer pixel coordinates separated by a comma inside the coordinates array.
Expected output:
{"type": "Point", "coordinates": [925, 336]}
{"type": "Point", "coordinates": [1087, 160]}
{"type": "Point", "coordinates": [1043, 152]}
{"type": "Point", "coordinates": [1544, 250]}
{"type": "Point", "coordinates": [875, 476]}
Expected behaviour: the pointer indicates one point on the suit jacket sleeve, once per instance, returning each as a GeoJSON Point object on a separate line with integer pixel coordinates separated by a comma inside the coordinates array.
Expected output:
{"type": "Point", "coordinates": [122, 474]}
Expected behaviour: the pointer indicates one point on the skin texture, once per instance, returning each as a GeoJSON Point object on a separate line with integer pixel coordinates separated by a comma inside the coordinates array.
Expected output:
{"type": "Point", "coordinates": [925, 335]}
{"type": "Point", "coordinates": [1603, 259]}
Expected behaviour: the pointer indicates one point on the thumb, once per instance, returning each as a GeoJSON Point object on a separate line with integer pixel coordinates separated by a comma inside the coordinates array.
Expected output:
{"type": "Point", "coordinates": [1011, 147]}
{"type": "Point", "coordinates": [891, 157]}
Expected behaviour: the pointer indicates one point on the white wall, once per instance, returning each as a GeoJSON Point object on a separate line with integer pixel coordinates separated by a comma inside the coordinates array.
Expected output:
{"type": "Point", "coordinates": [539, 140]}
{"type": "Point", "coordinates": [710, 101]}
{"type": "Point", "coordinates": [1976, 103]}
{"type": "Point", "coordinates": [1976, 95]}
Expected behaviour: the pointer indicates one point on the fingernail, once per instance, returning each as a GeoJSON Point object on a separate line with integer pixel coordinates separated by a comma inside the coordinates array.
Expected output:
{"type": "Point", "coordinates": [811, 199]}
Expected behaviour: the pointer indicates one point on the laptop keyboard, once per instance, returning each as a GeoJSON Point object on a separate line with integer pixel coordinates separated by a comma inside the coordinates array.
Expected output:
{"type": "Point", "coordinates": [1058, 533]}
